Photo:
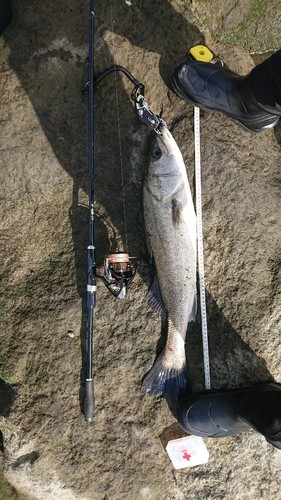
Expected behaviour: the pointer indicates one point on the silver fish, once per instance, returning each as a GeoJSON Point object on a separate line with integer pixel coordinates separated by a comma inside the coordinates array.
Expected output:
{"type": "Point", "coordinates": [170, 223]}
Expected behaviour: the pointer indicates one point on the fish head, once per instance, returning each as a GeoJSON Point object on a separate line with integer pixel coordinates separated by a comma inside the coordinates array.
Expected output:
{"type": "Point", "coordinates": [166, 169]}
{"type": "Point", "coordinates": [163, 146]}
{"type": "Point", "coordinates": [165, 156]}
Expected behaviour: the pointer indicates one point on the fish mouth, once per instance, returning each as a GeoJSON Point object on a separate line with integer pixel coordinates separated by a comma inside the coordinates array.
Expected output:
{"type": "Point", "coordinates": [166, 139]}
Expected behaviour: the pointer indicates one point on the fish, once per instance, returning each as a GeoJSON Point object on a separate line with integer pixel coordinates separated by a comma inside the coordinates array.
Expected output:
{"type": "Point", "coordinates": [170, 225]}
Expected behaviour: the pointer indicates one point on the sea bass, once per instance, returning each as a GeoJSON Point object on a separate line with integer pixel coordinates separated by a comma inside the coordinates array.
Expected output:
{"type": "Point", "coordinates": [170, 223]}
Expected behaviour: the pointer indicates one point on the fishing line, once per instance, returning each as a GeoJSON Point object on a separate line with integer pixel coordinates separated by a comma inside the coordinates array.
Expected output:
{"type": "Point", "coordinates": [119, 137]}
{"type": "Point", "coordinates": [204, 324]}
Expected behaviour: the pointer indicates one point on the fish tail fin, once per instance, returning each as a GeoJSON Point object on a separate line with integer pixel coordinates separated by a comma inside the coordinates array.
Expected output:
{"type": "Point", "coordinates": [164, 381]}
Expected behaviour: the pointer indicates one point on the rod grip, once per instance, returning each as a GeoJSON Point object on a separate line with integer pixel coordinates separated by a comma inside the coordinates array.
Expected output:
{"type": "Point", "coordinates": [89, 401]}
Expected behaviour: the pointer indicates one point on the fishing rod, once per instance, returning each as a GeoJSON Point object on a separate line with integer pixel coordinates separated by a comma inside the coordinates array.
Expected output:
{"type": "Point", "coordinates": [119, 267]}
{"type": "Point", "coordinates": [89, 402]}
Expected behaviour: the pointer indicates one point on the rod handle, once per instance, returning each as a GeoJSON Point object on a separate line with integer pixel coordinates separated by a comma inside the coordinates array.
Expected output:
{"type": "Point", "coordinates": [89, 401]}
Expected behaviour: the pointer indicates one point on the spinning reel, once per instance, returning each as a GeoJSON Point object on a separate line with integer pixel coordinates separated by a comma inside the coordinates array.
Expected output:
{"type": "Point", "coordinates": [119, 271]}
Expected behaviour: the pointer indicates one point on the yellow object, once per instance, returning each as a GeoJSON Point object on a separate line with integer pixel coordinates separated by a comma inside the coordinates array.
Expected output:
{"type": "Point", "coordinates": [201, 53]}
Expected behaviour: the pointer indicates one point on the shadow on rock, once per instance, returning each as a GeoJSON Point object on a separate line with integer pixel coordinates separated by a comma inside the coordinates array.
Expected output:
{"type": "Point", "coordinates": [25, 460]}
{"type": "Point", "coordinates": [140, 24]}
{"type": "Point", "coordinates": [7, 397]}
{"type": "Point", "coordinates": [232, 362]}
{"type": "Point", "coordinates": [50, 59]}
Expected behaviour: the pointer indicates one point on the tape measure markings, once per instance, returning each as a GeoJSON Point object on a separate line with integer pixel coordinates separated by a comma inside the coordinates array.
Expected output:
{"type": "Point", "coordinates": [200, 250]}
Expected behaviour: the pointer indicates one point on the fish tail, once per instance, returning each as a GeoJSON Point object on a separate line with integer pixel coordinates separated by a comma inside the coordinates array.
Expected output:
{"type": "Point", "coordinates": [164, 381]}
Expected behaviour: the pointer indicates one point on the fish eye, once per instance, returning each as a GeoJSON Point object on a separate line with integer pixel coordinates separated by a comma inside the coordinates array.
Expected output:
{"type": "Point", "coordinates": [156, 153]}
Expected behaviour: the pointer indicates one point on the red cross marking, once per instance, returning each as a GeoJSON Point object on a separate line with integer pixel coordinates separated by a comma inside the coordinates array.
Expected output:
{"type": "Point", "coordinates": [186, 455]}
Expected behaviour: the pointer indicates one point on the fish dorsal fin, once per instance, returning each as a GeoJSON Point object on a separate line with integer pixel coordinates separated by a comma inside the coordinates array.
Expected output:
{"type": "Point", "coordinates": [154, 299]}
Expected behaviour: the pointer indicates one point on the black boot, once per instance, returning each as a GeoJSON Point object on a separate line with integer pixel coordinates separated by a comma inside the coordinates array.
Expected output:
{"type": "Point", "coordinates": [211, 86]}
{"type": "Point", "coordinates": [223, 413]}
{"type": "Point", "coordinates": [262, 409]}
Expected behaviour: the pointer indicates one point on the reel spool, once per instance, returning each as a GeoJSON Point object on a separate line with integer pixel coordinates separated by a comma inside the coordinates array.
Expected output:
{"type": "Point", "coordinates": [119, 271]}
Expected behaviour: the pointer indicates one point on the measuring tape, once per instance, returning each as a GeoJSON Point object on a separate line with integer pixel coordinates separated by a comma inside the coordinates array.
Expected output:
{"type": "Point", "coordinates": [204, 324]}
{"type": "Point", "coordinates": [203, 54]}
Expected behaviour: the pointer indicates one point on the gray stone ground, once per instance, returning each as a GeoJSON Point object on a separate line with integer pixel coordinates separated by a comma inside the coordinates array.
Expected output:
{"type": "Point", "coordinates": [49, 450]}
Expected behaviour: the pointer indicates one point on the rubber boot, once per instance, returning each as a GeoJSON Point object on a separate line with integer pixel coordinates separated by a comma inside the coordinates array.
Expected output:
{"type": "Point", "coordinates": [223, 413]}
{"type": "Point", "coordinates": [262, 410]}
{"type": "Point", "coordinates": [214, 87]}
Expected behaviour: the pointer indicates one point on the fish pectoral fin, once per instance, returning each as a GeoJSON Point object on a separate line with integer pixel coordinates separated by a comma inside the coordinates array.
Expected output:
{"type": "Point", "coordinates": [164, 381]}
{"type": "Point", "coordinates": [177, 211]}
{"type": "Point", "coordinates": [154, 299]}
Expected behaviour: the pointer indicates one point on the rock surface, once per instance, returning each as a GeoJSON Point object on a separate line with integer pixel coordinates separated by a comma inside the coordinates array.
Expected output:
{"type": "Point", "coordinates": [49, 450]}
{"type": "Point", "coordinates": [252, 24]}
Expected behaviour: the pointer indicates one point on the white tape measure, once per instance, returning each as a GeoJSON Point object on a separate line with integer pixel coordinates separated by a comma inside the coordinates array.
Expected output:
{"type": "Point", "coordinates": [200, 251]}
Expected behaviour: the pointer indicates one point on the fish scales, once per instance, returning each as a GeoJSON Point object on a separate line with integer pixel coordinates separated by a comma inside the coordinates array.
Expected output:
{"type": "Point", "coordinates": [170, 223]}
